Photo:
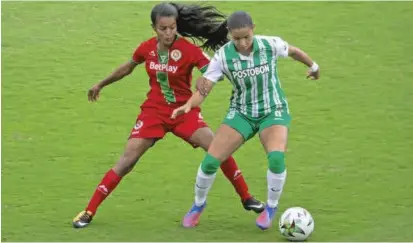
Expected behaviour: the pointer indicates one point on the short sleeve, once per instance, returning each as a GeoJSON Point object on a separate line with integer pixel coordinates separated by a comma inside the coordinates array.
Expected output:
{"type": "Point", "coordinates": [214, 72]}
{"type": "Point", "coordinates": [281, 46]}
{"type": "Point", "coordinates": [139, 55]}
{"type": "Point", "coordinates": [201, 59]}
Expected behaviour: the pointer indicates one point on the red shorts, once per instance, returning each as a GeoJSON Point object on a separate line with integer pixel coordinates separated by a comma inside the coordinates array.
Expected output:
{"type": "Point", "coordinates": [155, 123]}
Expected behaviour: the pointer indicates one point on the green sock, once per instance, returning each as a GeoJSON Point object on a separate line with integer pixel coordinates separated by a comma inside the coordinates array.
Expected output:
{"type": "Point", "coordinates": [276, 162]}
{"type": "Point", "coordinates": [210, 165]}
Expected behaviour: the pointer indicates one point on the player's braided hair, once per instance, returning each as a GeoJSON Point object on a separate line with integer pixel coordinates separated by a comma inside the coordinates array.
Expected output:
{"type": "Point", "coordinates": [201, 23]}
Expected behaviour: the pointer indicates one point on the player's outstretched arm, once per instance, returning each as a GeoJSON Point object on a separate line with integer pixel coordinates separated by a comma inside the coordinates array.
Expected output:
{"type": "Point", "coordinates": [203, 88]}
{"type": "Point", "coordinates": [122, 71]}
{"type": "Point", "coordinates": [299, 55]}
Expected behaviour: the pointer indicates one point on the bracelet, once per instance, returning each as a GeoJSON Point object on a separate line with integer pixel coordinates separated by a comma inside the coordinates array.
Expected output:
{"type": "Point", "coordinates": [314, 67]}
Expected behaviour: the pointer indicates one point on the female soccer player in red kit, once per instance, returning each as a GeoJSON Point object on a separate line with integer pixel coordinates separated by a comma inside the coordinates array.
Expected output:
{"type": "Point", "coordinates": [169, 60]}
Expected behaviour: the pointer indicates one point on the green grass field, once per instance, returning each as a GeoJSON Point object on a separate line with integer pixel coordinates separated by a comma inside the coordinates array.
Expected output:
{"type": "Point", "coordinates": [350, 147]}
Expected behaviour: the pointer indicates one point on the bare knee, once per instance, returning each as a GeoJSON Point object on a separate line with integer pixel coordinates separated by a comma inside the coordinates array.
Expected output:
{"type": "Point", "coordinates": [203, 138]}
{"type": "Point", "coordinates": [126, 163]}
{"type": "Point", "coordinates": [133, 151]}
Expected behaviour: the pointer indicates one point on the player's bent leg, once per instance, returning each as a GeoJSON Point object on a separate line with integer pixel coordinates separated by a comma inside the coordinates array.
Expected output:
{"type": "Point", "coordinates": [203, 137]}
{"type": "Point", "coordinates": [135, 148]}
{"type": "Point", "coordinates": [225, 142]}
{"type": "Point", "coordinates": [274, 140]}
{"type": "Point", "coordinates": [147, 129]}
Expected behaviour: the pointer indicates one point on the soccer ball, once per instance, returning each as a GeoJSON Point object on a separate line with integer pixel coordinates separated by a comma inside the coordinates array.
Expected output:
{"type": "Point", "coordinates": [296, 224]}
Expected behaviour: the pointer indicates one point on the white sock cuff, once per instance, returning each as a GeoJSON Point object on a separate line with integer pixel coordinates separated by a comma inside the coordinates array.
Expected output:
{"type": "Point", "coordinates": [277, 176]}
{"type": "Point", "coordinates": [203, 175]}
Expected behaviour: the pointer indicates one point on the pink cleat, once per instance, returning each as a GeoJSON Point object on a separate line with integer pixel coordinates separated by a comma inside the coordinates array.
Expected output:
{"type": "Point", "coordinates": [191, 219]}
{"type": "Point", "coordinates": [264, 220]}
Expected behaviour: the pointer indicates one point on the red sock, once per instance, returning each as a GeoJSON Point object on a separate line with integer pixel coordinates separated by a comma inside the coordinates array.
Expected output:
{"type": "Point", "coordinates": [231, 171]}
{"type": "Point", "coordinates": [106, 186]}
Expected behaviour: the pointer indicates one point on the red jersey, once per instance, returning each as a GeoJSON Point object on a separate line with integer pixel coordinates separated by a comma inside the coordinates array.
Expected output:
{"type": "Point", "coordinates": [170, 72]}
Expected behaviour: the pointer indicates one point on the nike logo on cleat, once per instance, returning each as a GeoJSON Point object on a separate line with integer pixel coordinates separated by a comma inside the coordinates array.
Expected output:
{"type": "Point", "coordinates": [256, 206]}
{"type": "Point", "coordinates": [81, 224]}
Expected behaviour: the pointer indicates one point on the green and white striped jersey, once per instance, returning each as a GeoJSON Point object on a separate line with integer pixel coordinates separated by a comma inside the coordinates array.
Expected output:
{"type": "Point", "coordinates": [256, 86]}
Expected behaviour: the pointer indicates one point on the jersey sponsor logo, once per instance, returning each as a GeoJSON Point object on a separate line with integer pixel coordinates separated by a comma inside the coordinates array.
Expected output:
{"type": "Point", "coordinates": [251, 72]}
{"type": "Point", "coordinates": [163, 67]}
{"type": "Point", "coordinates": [163, 59]}
{"type": "Point", "coordinates": [176, 55]}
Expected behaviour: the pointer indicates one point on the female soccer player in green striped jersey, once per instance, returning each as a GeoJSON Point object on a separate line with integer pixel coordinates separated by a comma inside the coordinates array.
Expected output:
{"type": "Point", "coordinates": [258, 105]}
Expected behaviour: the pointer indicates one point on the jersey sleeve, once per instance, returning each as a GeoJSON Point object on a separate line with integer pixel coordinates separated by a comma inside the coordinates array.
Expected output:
{"type": "Point", "coordinates": [281, 46]}
{"type": "Point", "coordinates": [201, 60]}
{"type": "Point", "coordinates": [215, 71]}
{"type": "Point", "coordinates": [138, 56]}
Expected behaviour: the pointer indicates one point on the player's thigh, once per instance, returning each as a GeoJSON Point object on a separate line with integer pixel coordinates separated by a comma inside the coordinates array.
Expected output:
{"type": "Point", "coordinates": [226, 141]}
{"type": "Point", "coordinates": [146, 131]}
{"type": "Point", "coordinates": [192, 128]}
{"type": "Point", "coordinates": [240, 123]}
{"type": "Point", "coordinates": [274, 138]}
{"type": "Point", "coordinates": [273, 130]}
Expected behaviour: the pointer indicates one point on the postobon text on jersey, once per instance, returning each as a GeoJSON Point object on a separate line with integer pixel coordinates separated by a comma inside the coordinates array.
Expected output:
{"type": "Point", "coordinates": [250, 72]}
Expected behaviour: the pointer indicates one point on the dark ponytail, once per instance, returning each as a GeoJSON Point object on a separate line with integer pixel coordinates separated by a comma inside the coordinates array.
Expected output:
{"type": "Point", "coordinates": [201, 23]}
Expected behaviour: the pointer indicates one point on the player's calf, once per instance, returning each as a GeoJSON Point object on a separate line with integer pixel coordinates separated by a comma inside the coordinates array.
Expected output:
{"type": "Point", "coordinates": [276, 176]}
{"type": "Point", "coordinates": [204, 179]}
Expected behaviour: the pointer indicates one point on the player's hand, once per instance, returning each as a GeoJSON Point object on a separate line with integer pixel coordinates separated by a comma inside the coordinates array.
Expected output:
{"type": "Point", "coordinates": [93, 93]}
{"type": "Point", "coordinates": [181, 110]}
{"type": "Point", "coordinates": [313, 75]}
